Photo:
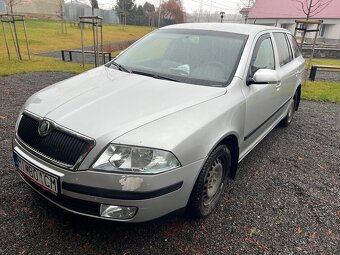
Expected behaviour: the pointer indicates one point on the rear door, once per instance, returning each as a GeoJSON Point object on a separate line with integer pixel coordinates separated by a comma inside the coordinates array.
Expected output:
{"type": "Point", "coordinates": [287, 68]}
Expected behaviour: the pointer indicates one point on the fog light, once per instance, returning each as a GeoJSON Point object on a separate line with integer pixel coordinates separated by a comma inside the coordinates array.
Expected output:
{"type": "Point", "coordinates": [117, 212]}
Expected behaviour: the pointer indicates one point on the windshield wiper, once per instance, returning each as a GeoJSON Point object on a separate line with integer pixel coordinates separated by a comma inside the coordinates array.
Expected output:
{"type": "Point", "coordinates": [156, 76]}
{"type": "Point", "coordinates": [120, 67]}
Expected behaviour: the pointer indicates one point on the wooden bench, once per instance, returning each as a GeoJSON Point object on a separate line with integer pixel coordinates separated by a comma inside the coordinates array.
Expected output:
{"type": "Point", "coordinates": [106, 53]}
{"type": "Point", "coordinates": [315, 68]}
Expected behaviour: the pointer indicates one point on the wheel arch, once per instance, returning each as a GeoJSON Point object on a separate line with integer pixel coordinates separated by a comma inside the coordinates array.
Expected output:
{"type": "Point", "coordinates": [297, 97]}
{"type": "Point", "coordinates": [231, 141]}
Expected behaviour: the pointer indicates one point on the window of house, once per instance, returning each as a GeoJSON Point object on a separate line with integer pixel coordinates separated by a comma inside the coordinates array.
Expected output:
{"type": "Point", "coordinates": [285, 26]}
{"type": "Point", "coordinates": [282, 48]}
{"type": "Point", "coordinates": [322, 30]}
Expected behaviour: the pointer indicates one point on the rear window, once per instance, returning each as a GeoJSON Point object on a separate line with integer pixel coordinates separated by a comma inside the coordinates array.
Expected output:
{"type": "Point", "coordinates": [282, 48]}
{"type": "Point", "coordinates": [294, 45]}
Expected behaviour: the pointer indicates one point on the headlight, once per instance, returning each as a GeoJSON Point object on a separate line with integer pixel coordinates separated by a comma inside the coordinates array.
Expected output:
{"type": "Point", "coordinates": [136, 160]}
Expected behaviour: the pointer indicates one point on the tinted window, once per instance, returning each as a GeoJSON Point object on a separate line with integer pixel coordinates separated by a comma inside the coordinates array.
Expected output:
{"type": "Point", "coordinates": [263, 56]}
{"type": "Point", "coordinates": [282, 48]}
{"type": "Point", "coordinates": [295, 45]}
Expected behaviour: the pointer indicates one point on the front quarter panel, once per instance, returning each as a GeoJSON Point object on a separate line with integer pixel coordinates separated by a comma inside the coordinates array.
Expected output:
{"type": "Point", "coordinates": [192, 133]}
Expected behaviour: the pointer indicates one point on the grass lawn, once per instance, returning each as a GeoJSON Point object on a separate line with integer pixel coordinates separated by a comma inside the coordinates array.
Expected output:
{"type": "Point", "coordinates": [40, 64]}
{"type": "Point", "coordinates": [45, 36]}
{"type": "Point", "coordinates": [326, 91]}
{"type": "Point", "coordinates": [322, 91]}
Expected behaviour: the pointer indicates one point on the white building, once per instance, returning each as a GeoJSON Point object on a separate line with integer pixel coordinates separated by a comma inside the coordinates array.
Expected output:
{"type": "Point", "coordinates": [283, 13]}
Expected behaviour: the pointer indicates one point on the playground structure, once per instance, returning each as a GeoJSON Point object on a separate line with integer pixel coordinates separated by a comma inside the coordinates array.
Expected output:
{"type": "Point", "coordinates": [11, 20]}
{"type": "Point", "coordinates": [97, 24]}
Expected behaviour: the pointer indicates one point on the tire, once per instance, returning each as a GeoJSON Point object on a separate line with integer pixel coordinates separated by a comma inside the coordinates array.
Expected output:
{"type": "Point", "coordinates": [210, 183]}
{"type": "Point", "coordinates": [297, 98]}
{"type": "Point", "coordinates": [289, 117]}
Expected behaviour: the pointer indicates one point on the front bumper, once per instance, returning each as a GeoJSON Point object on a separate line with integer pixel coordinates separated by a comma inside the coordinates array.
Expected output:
{"type": "Point", "coordinates": [83, 192]}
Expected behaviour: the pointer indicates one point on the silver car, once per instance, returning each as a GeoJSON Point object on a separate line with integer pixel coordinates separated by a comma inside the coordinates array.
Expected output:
{"type": "Point", "coordinates": [162, 126]}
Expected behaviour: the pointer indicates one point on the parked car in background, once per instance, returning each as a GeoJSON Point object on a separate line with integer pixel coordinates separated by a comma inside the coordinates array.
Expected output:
{"type": "Point", "coordinates": [162, 126]}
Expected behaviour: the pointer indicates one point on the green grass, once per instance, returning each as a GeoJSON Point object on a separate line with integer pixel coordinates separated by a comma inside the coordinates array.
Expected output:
{"type": "Point", "coordinates": [40, 64]}
{"type": "Point", "coordinates": [321, 61]}
{"type": "Point", "coordinates": [44, 36]}
{"type": "Point", "coordinates": [325, 91]}
{"type": "Point", "coordinates": [322, 91]}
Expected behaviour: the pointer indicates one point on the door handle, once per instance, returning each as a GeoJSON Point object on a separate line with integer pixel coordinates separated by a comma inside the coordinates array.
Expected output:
{"type": "Point", "coordinates": [278, 86]}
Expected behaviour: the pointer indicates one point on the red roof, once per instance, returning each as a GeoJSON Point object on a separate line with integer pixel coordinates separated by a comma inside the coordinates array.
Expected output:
{"type": "Point", "coordinates": [290, 9]}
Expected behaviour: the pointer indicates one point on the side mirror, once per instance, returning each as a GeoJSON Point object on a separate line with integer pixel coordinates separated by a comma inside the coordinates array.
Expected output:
{"type": "Point", "coordinates": [264, 76]}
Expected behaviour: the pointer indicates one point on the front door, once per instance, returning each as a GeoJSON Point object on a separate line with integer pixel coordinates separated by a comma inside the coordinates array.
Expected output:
{"type": "Point", "coordinates": [261, 99]}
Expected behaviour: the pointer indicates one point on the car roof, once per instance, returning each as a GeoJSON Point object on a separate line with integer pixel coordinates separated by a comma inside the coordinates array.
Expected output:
{"type": "Point", "coordinates": [247, 29]}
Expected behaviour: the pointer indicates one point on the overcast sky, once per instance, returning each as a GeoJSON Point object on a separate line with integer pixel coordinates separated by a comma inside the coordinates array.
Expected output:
{"type": "Point", "coordinates": [228, 6]}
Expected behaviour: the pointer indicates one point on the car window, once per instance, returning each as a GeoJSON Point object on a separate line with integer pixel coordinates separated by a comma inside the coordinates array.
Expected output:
{"type": "Point", "coordinates": [295, 45]}
{"type": "Point", "coordinates": [192, 56]}
{"type": "Point", "coordinates": [282, 48]}
{"type": "Point", "coordinates": [263, 56]}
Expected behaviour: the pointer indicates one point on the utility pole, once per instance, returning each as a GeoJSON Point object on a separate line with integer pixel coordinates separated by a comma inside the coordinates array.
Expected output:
{"type": "Point", "coordinates": [200, 11]}
{"type": "Point", "coordinates": [159, 13]}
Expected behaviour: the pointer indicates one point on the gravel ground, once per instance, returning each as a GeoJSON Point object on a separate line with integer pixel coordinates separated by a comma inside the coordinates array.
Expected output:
{"type": "Point", "coordinates": [284, 200]}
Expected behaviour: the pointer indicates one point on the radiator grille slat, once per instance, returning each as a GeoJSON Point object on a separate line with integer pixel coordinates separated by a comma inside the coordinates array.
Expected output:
{"type": "Point", "coordinates": [57, 145]}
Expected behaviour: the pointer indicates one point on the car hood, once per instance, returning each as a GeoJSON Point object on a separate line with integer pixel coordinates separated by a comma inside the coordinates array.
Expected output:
{"type": "Point", "coordinates": [105, 103]}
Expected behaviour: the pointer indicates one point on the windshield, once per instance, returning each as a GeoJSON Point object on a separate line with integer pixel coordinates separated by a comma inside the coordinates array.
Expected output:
{"type": "Point", "coordinates": [191, 56]}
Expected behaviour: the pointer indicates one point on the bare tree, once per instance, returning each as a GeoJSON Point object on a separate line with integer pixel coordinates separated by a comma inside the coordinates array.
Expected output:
{"type": "Point", "coordinates": [11, 4]}
{"type": "Point", "coordinates": [61, 16]}
{"type": "Point", "coordinates": [246, 3]}
{"type": "Point", "coordinates": [173, 10]}
{"type": "Point", "coordinates": [312, 7]}
{"type": "Point", "coordinates": [94, 5]}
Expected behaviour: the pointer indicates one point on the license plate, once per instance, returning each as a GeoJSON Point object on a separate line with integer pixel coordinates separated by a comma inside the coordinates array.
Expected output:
{"type": "Point", "coordinates": [42, 179]}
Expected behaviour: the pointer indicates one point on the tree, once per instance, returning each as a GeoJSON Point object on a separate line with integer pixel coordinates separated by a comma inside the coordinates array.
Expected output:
{"type": "Point", "coordinates": [173, 10]}
{"type": "Point", "coordinates": [126, 8]}
{"type": "Point", "coordinates": [312, 7]}
{"type": "Point", "coordinates": [148, 8]}
{"type": "Point", "coordinates": [11, 4]}
{"type": "Point", "coordinates": [94, 5]}
{"type": "Point", "coordinates": [246, 3]}
{"type": "Point", "coordinates": [140, 11]}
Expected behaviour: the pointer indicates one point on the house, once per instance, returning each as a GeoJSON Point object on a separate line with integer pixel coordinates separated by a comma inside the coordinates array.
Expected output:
{"type": "Point", "coordinates": [42, 9]}
{"type": "Point", "coordinates": [283, 13]}
{"type": "Point", "coordinates": [74, 9]}
{"type": "Point", "coordinates": [3, 9]}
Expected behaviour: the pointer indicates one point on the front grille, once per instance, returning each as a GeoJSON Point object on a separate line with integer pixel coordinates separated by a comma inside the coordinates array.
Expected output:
{"type": "Point", "coordinates": [57, 145]}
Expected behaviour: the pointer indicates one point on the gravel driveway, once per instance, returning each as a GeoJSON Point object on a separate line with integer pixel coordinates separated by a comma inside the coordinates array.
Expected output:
{"type": "Point", "coordinates": [285, 198]}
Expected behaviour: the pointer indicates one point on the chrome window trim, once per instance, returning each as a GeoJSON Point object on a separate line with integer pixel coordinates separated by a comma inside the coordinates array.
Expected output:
{"type": "Point", "coordinates": [56, 126]}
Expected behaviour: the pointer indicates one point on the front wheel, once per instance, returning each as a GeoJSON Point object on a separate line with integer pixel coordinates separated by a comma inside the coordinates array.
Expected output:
{"type": "Point", "coordinates": [210, 183]}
